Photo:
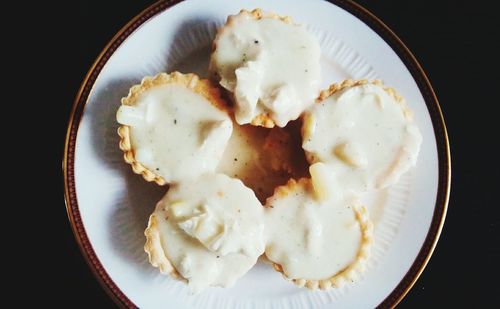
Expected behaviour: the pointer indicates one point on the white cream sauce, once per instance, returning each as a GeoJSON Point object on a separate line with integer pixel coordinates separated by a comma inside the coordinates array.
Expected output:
{"type": "Point", "coordinates": [361, 139]}
{"type": "Point", "coordinates": [211, 230]}
{"type": "Point", "coordinates": [272, 67]}
{"type": "Point", "coordinates": [175, 132]}
{"type": "Point", "coordinates": [309, 238]}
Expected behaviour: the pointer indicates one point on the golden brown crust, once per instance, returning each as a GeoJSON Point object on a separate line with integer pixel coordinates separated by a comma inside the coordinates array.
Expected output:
{"type": "Point", "coordinates": [263, 120]}
{"type": "Point", "coordinates": [129, 157]}
{"type": "Point", "coordinates": [256, 14]}
{"type": "Point", "coordinates": [200, 86]}
{"type": "Point", "coordinates": [278, 145]}
{"type": "Point", "coordinates": [284, 190]}
{"type": "Point", "coordinates": [351, 271]}
{"type": "Point", "coordinates": [153, 248]}
{"type": "Point", "coordinates": [348, 83]}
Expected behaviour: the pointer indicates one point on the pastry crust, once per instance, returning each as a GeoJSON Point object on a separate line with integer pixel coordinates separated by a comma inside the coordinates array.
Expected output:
{"type": "Point", "coordinates": [155, 252]}
{"type": "Point", "coordinates": [263, 120]}
{"type": "Point", "coordinates": [203, 243]}
{"type": "Point", "coordinates": [279, 148]}
{"type": "Point", "coordinates": [352, 270]}
{"type": "Point", "coordinates": [348, 83]}
{"type": "Point", "coordinates": [202, 87]}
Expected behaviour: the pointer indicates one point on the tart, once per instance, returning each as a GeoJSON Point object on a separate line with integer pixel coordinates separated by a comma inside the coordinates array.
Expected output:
{"type": "Point", "coordinates": [316, 243]}
{"type": "Point", "coordinates": [269, 65]}
{"type": "Point", "coordinates": [208, 231]}
{"type": "Point", "coordinates": [173, 127]}
{"type": "Point", "coordinates": [360, 136]}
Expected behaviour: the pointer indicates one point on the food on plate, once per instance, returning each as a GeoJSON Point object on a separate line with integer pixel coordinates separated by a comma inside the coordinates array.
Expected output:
{"type": "Point", "coordinates": [269, 65]}
{"type": "Point", "coordinates": [264, 158]}
{"type": "Point", "coordinates": [359, 136]}
{"type": "Point", "coordinates": [173, 127]}
{"type": "Point", "coordinates": [307, 155]}
{"type": "Point", "coordinates": [207, 231]}
{"type": "Point", "coordinates": [316, 243]}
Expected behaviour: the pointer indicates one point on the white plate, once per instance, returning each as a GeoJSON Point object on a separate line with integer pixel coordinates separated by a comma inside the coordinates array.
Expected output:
{"type": "Point", "coordinates": [108, 205]}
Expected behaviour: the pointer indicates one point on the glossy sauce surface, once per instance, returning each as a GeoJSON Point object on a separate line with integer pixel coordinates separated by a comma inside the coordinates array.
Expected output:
{"type": "Point", "coordinates": [309, 238]}
{"type": "Point", "coordinates": [210, 229]}
{"type": "Point", "coordinates": [360, 139]}
{"type": "Point", "coordinates": [175, 132]}
{"type": "Point", "coordinates": [271, 67]}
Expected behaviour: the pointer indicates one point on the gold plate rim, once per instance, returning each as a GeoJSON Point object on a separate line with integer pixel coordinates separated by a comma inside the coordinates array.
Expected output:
{"type": "Point", "coordinates": [434, 109]}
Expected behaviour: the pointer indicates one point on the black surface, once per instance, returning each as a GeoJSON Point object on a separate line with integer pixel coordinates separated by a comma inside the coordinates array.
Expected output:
{"type": "Point", "coordinates": [456, 44]}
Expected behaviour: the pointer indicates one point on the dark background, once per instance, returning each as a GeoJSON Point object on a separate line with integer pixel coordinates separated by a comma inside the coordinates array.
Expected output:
{"type": "Point", "coordinates": [456, 44]}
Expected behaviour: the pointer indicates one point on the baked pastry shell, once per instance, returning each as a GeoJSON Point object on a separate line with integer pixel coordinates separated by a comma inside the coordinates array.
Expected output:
{"type": "Point", "coordinates": [345, 84]}
{"type": "Point", "coordinates": [263, 119]}
{"type": "Point", "coordinates": [202, 87]}
{"type": "Point", "coordinates": [350, 272]}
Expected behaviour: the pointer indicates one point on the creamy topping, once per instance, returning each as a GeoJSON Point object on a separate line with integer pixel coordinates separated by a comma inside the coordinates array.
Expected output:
{"type": "Point", "coordinates": [360, 138]}
{"type": "Point", "coordinates": [175, 132]}
{"type": "Point", "coordinates": [309, 238]}
{"type": "Point", "coordinates": [271, 66]}
{"type": "Point", "coordinates": [211, 230]}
